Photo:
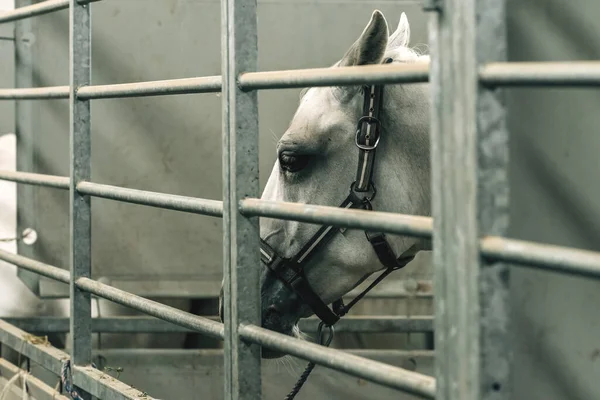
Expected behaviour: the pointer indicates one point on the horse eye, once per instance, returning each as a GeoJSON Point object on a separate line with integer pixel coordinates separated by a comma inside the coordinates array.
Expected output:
{"type": "Point", "coordinates": [293, 162]}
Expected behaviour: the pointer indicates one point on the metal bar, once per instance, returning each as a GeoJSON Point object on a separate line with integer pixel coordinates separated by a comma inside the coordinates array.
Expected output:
{"type": "Point", "coordinates": [36, 388]}
{"type": "Point", "coordinates": [54, 181]}
{"type": "Point", "coordinates": [543, 256]}
{"type": "Point", "coordinates": [34, 266]}
{"type": "Point", "coordinates": [89, 379]}
{"type": "Point", "coordinates": [38, 351]}
{"type": "Point", "coordinates": [529, 254]}
{"type": "Point", "coordinates": [207, 84]}
{"type": "Point", "coordinates": [239, 49]}
{"type": "Point", "coordinates": [541, 74]}
{"type": "Point", "coordinates": [153, 199]}
{"type": "Point", "coordinates": [42, 93]}
{"type": "Point", "coordinates": [400, 224]}
{"type": "Point", "coordinates": [532, 74]}
{"type": "Point", "coordinates": [491, 277]}
{"type": "Point", "coordinates": [383, 374]}
{"type": "Point", "coordinates": [454, 198]}
{"type": "Point", "coordinates": [199, 324]}
{"type": "Point", "coordinates": [340, 76]}
{"type": "Point", "coordinates": [80, 218]}
{"type": "Point", "coordinates": [351, 324]}
{"type": "Point", "coordinates": [33, 10]}
{"type": "Point", "coordinates": [152, 308]}
{"type": "Point", "coordinates": [335, 359]}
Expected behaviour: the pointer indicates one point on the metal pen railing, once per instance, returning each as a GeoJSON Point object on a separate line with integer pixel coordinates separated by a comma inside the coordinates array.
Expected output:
{"type": "Point", "coordinates": [469, 212]}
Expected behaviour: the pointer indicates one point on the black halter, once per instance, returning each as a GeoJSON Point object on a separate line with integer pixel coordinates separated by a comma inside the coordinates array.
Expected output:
{"type": "Point", "coordinates": [290, 271]}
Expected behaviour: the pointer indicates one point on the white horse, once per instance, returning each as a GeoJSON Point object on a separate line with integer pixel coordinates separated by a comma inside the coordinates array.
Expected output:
{"type": "Point", "coordinates": [317, 161]}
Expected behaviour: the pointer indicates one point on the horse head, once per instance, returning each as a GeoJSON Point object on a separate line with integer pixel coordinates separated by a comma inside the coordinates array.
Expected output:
{"type": "Point", "coordinates": [316, 163]}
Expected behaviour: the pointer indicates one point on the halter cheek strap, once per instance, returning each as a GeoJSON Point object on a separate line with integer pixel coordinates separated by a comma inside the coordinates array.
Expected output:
{"type": "Point", "coordinates": [290, 271]}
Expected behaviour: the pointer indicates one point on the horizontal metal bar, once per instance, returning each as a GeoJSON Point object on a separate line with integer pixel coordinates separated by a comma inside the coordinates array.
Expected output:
{"type": "Point", "coordinates": [91, 380]}
{"type": "Point", "coordinates": [54, 181]}
{"type": "Point", "coordinates": [41, 93]}
{"type": "Point", "coordinates": [36, 388]}
{"type": "Point", "coordinates": [383, 374]}
{"type": "Point", "coordinates": [40, 268]}
{"type": "Point", "coordinates": [153, 199]}
{"type": "Point", "coordinates": [207, 84]}
{"type": "Point", "coordinates": [340, 76]}
{"type": "Point", "coordinates": [400, 224]}
{"type": "Point", "coordinates": [371, 324]}
{"type": "Point", "coordinates": [541, 74]}
{"type": "Point", "coordinates": [543, 256]}
{"type": "Point", "coordinates": [104, 386]}
{"type": "Point", "coordinates": [370, 370]}
{"type": "Point", "coordinates": [200, 324]}
{"type": "Point", "coordinates": [153, 308]}
{"type": "Point", "coordinates": [22, 342]}
{"type": "Point", "coordinates": [33, 10]}
{"type": "Point", "coordinates": [581, 73]}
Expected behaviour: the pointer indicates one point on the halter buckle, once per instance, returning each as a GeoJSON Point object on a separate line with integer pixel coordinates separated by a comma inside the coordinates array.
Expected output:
{"type": "Point", "coordinates": [369, 120]}
{"type": "Point", "coordinates": [367, 198]}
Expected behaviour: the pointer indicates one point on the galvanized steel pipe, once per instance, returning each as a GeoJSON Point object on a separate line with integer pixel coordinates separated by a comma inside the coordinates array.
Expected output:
{"type": "Point", "coordinates": [399, 224]}
{"type": "Point", "coordinates": [542, 256]}
{"type": "Point", "coordinates": [155, 309]}
{"type": "Point", "coordinates": [341, 76]}
{"type": "Point", "coordinates": [153, 199]}
{"type": "Point", "coordinates": [33, 10]}
{"type": "Point", "coordinates": [207, 84]}
{"type": "Point", "coordinates": [37, 267]}
{"type": "Point", "coordinates": [203, 325]}
{"type": "Point", "coordinates": [42, 93]}
{"type": "Point", "coordinates": [542, 74]}
{"type": "Point", "coordinates": [54, 181]}
{"type": "Point", "coordinates": [377, 372]}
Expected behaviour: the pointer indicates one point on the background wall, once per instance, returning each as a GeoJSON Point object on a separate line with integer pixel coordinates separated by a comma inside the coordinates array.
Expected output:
{"type": "Point", "coordinates": [555, 183]}
{"type": "Point", "coordinates": [172, 144]}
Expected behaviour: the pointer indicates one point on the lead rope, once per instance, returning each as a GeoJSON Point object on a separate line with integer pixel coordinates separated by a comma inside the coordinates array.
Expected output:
{"type": "Point", "coordinates": [311, 365]}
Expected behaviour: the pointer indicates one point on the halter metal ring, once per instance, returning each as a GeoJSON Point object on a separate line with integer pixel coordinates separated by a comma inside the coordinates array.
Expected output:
{"type": "Point", "coordinates": [320, 334]}
{"type": "Point", "coordinates": [369, 120]}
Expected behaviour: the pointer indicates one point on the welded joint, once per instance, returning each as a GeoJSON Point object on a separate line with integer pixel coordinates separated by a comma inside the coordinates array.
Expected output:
{"type": "Point", "coordinates": [432, 5]}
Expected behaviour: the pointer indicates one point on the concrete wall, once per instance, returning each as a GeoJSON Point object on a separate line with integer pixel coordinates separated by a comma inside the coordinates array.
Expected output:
{"type": "Point", "coordinates": [555, 199]}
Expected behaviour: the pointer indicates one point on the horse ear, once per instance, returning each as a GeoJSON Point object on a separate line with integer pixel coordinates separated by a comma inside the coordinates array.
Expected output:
{"type": "Point", "coordinates": [401, 36]}
{"type": "Point", "coordinates": [370, 47]}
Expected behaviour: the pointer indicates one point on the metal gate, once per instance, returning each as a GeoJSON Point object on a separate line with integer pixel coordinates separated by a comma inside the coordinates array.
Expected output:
{"type": "Point", "coordinates": [469, 213]}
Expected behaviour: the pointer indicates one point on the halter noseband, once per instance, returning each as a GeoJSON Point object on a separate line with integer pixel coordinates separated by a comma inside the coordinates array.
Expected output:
{"type": "Point", "coordinates": [290, 271]}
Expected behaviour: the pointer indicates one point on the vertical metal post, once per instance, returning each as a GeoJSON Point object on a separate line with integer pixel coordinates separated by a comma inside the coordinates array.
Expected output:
{"type": "Point", "coordinates": [80, 205]}
{"type": "Point", "coordinates": [493, 207]}
{"type": "Point", "coordinates": [25, 135]}
{"type": "Point", "coordinates": [240, 180]}
{"type": "Point", "coordinates": [470, 199]}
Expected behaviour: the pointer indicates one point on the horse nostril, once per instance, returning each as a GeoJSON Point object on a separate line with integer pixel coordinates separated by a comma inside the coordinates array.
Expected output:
{"type": "Point", "coordinates": [272, 314]}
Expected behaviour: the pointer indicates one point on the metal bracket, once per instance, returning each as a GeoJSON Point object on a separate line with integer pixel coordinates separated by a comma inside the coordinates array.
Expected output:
{"type": "Point", "coordinates": [432, 5]}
